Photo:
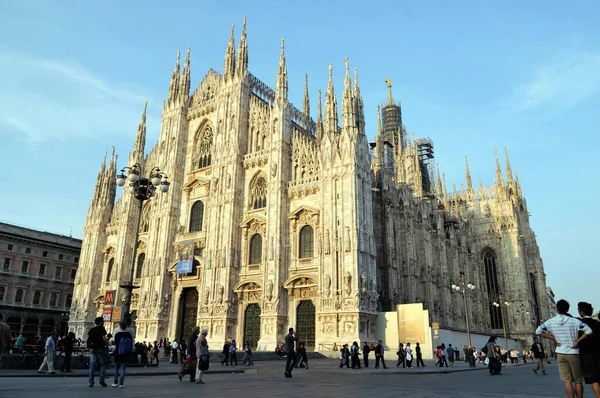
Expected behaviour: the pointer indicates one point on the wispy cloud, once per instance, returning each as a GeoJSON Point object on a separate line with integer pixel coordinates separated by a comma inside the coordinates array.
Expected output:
{"type": "Point", "coordinates": [50, 99]}
{"type": "Point", "coordinates": [562, 84]}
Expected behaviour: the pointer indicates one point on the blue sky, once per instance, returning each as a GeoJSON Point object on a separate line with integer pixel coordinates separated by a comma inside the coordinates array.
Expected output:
{"type": "Point", "coordinates": [471, 75]}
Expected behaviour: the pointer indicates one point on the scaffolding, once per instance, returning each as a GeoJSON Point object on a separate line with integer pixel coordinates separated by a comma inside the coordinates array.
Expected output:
{"type": "Point", "coordinates": [425, 153]}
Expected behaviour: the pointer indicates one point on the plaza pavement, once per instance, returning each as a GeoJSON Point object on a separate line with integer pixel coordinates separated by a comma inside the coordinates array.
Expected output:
{"type": "Point", "coordinates": [321, 380]}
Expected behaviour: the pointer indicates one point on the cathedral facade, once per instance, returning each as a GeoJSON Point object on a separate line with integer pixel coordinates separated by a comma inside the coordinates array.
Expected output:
{"type": "Point", "coordinates": [292, 222]}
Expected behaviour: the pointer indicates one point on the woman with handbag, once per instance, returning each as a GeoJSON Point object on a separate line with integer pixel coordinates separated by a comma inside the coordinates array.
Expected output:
{"type": "Point", "coordinates": [202, 354]}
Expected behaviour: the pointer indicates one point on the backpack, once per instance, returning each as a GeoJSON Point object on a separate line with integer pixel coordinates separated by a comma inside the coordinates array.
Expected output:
{"type": "Point", "coordinates": [125, 346]}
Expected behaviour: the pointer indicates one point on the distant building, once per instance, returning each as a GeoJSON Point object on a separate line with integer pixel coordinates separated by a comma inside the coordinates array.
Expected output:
{"type": "Point", "coordinates": [551, 301]}
{"type": "Point", "coordinates": [36, 279]}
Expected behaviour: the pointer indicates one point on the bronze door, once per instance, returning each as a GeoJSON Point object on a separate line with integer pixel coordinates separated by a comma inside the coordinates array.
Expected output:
{"type": "Point", "coordinates": [189, 312]}
{"type": "Point", "coordinates": [305, 323]}
{"type": "Point", "coordinates": [251, 325]}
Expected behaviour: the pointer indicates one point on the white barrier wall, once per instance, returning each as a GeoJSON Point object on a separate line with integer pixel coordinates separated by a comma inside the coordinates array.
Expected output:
{"type": "Point", "coordinates": [459, 339]}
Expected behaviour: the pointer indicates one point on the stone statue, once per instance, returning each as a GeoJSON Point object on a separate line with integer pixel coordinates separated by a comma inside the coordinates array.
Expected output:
{"type": "Point", "coordinates": [221, 294]}
{"type": "Point", "coordinates": [348, 283]}
{"type": "Point", "coordinates": [327, 242]}
{"type": "Point", "coordinates": [206, 296]}
{"type": "Point", "coordinates": [155, 299]}
{"type": "Point", "coordinates": [327, 286]}
{"type": "Point", "coordinates": [273, 169]}
{"type": "Point", "coordinates": [269, 295]}
{"type": "Point", "coordinates": [363, 281]}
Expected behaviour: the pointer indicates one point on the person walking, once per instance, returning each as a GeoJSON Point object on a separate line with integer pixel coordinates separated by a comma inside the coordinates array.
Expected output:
{"type": "Point", "coordinates": [191, 343]}
{"type": "Point", "coordinates": [379, 352]}
{"type": "Point", "coordinates": [96, 342]}
{"type": "Point", "coordinates": [68, 343]}
{"type": "Point", "coordinates": [450, 355]}
{"type": "Point", "coordinates": [225, 352]}
{"type": "Point", "coordinates": [564, 329]}
{"type": "Point", "coordinates": [233, 353]}
{"type": "Point", "coordinates": [123, 349]}
{"type": "Point", "coordinates": [409, 356]}
{"type": "Point", "coordinates": [50, 352]}
{"type": "Point", "coordinates": [202, 354]}
{"type": "Point", "coordinates": [538, 354]}
{"type": "Point", "coordinates": [290, 352]}
{"type": "Point", "coordinates": [419, 356]}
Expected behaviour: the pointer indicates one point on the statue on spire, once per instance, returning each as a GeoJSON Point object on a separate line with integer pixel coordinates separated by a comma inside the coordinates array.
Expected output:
{"type": "Point", "coordinates": [388, 82]}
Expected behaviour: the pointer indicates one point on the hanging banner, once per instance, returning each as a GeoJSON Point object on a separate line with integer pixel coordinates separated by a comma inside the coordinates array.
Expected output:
{"type": "Point", "coordinates": [107, 314]}
{"type": "Point", "coordinates": [116, 314]}
{"type": "Point", "coordinates": [185, 262]}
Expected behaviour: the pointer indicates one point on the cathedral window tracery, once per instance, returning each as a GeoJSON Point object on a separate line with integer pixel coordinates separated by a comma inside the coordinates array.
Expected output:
{"type": "Point", "coordinates": [205, 147]}
{"type": "Point", "coordinates": [109, 269]}
{"type": "Point", "coordinates": [307, 242]}
{"type": "Point", "coordinates": [140, 265]}
{"type": "Point", "coordinates": [258, 193]}
{"type": "Point", "coordinates": [255, 250]}
{"type": "Point", "coordinates": [493, 288]}
{"type": "Point", "coordinates": [196, 216]}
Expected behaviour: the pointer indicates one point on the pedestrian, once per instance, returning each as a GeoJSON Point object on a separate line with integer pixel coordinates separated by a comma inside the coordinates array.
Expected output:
{"type": "Point", "coordinates": [123, 349]}
{"type": "Point", "coordinates": [379, 352]}
{"type": "Point", "coordinates": [96, 342]}
{"type": "Point", "coordinates": [290, 352]}
{"type": "Point", "coordinates": [202, 354]}
{"type": "Point", "coordinates": [191, 344]}
{"type": "Point", "coordinates": [589, 349]}
{"type": "Point", "coordinates": [401, 353]}
{"type": "Point", "coordinates": [248, 355]}
{"type": "Point", "coordinates": [354, 355]}
{"type": "Point", "coordinates": [450, 355]}
{"type": "Point", "coordinates": [419, 356]}
{"type": "Point", "coordinates": [174, 348]}
{"type": "Point", "coordinates": [538, 354]}
{"type": "Point", "coordinates": [233, 353]}
{"type": "Point", "coordinates": [225, 352]}
{"type": "Point", "coordinates": [50, 352]}
{"type": "Point", "coordinates": [493, 360]}
{"type": "Point", "coordinates": [565, 330]}
{"type": "Point", "coordinates": [409, 356]}
{"type": "Point", "coordinates": [366, 350]}
{"type": "Point", "coordinates": [68, 343]}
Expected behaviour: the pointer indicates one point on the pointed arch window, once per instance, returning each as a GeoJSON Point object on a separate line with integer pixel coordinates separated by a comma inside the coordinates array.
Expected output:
{"type": "Point", "coordinates": [493, 288]}
{"type": "Point", "coordinates": [19, 295]}
{"type": "Point", "coordinates": [205, 147]}
{"type": "Point", "coordinates": [255, 255]}
{"type": "Point", "coordinates": [258, 193]}
{"type": "Point", "coordinates": [196, 216]}
{"type": "Point", "coordinates": [307, 242]}
{"type": "Point", "coordinates": [109, 269]}
{"type": "Point", "coordinates": [140, 265]}
{"type": "Point", "coordinates": [37, 297]}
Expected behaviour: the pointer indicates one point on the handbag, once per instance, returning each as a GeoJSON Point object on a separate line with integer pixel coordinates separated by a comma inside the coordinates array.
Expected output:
{"type": "Point", "coordinates": [486, 361]}
{"type": "Point", "coordinates": [188, 366]}
{"type": "Point", "coordinates": [203, 362]}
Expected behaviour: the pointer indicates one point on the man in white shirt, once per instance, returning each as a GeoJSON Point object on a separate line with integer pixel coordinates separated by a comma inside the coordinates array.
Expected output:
{"type": "Point", "coordinates": [565, 330]}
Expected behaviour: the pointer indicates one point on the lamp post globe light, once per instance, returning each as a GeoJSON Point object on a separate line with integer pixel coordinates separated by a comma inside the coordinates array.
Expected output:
{"type": "Point", "coordinates": [463, 287]}
{"type": "Point", "coordinates": [142, 188]}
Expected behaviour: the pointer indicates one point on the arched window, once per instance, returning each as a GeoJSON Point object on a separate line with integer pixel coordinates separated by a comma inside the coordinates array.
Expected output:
{"type": "Point", "coordinates": [258, 193]}
{"type": "Point", "coordinates": [109, 269]}
{"type": "Point", "coordinates": [19, 295]}
{"type": "Point", "coordinates": [255, 256]}
{"type": "Point", "coordinates": [53, 299]}
{"type": "Point", "coordinates": [37, 296]}
{"type": "Point", "coordinates": [2, 292]}
{"type": "Point", "coordinates": [140, 265]}
{"type": "Point", "coordinates": [205, 147]}
{"type": "Point", "coordinates": [493, 288]}
{"type": "Point", "coordinates": [196, 216]}
{"type": "Point", "coordinates": [307, 242]}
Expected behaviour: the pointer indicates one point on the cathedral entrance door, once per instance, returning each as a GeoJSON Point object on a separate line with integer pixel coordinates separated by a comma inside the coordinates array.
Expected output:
{"type": "Point", "coordinates": [305, 323]}
{"type": "Point", "coordinates": [251, 325]}
{"type": "Point", "coordinates": [188, 312]}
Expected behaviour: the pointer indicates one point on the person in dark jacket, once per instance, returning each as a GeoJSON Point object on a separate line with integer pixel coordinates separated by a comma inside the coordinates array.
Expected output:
{"type": "Point", "coordinates": [538, 354]}
{"type": "Point", "coordinates": [121, 355]}
{"type": "Point", "coordinates": [366, 350]}
{"type": "Point", "coordinates": [379, 352]}
{"type": "Point", "coordinates": [68, 343]}
{"type": "Point", "coordinates": [191, 343]}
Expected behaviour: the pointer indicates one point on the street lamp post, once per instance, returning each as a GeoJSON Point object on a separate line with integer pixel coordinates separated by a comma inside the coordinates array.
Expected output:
{"type": "Point", "coordinates": [142, 188]}
{"type": "Point", "coordinates": [498, 304]}
{"type": "Point", "coordinates": [463, 287]}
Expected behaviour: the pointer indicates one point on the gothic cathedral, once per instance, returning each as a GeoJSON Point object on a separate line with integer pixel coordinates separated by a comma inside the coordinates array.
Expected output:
{"type": "Point", "coordinates": [295, 223]}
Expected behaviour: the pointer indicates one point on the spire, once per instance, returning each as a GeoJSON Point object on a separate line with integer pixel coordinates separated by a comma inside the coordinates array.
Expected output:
{"type": "Point", "coordinates": [174, 86]}
{"type": "Point", "coordinates": [348, 111]}
{"type": "Point", "coordinates": [184, 88]}
{"type": "Point", "coordinates": [509, 175]}
{"type": "Point", "coordinates": [468, 174]}
{"type": "Point", "coordinates": [306, 103]}
{"type": "Point", "coordinates": [242, 57]}
{"type": "Point", "coordinates": [331, 112]}
{"type": "Point", "coordinates": [356, 85]}
{"type": "Point", "coordinates": [103, 165]}
{"type": "Point", "coordinates": [140, 139]}
{"type": "Point", "coordinates": [444, 189]}
{"type": "Point", "coordinates": [439, 189]}
{"type": "Point", "coordinates": [229, 64]}
{"type": "Point", "coordinates": [499, 178]}
{"type": "Point", "coordinates": [281, 87]}
{"type": "Point", "coordinates": [389, 87]}
{"type": "Point", "coordinates": [319, 118]}
{"type": "Point", "coordinates": [358, 103]}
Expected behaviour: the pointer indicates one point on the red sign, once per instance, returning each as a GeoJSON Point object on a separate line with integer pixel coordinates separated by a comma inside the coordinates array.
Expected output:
{"type": "Point", "coordinates": [107, 314]}
{"type": "Point", "coordinates": [109, 297]}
